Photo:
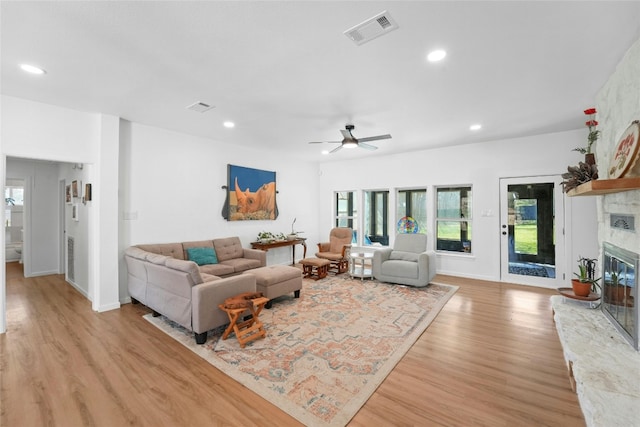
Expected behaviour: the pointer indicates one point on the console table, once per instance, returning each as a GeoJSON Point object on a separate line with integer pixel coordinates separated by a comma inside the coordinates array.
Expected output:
{"type": "Point", "coordinates": [281, 243]}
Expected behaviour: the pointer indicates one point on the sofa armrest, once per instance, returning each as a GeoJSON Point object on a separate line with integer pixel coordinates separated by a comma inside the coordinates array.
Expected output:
{"type": "Point", "coordinates": [346, 249]}
{"type": "Point", "coordinates": [207, 296]}
{"type": "Point", "coordinates": [379, 256]}
{"type": "Point", "coordinates": [382, 254]}
{"type": "Point", "coordinates": [426, 266]}
{"type": "Point", "coordinates": [258, 254]}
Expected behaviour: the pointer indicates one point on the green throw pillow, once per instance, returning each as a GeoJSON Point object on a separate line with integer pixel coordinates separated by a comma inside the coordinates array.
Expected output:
{"type": "Point", "coordinates": [202, 256]}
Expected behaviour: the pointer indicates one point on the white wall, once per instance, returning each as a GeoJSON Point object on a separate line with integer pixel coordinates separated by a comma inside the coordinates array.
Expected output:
{"type": "Point", "coordinates": [78, 230]}
{"type": "Point", "coordinates": [171, 183]}
{"type": "Point", "coordinates": [480, 165]}
{"type": "Point", "coordinates": [40, 131]}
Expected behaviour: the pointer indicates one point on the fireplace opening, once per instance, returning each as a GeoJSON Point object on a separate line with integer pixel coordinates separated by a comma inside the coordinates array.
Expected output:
{"type": "Point", "coordinates": [620, 290]}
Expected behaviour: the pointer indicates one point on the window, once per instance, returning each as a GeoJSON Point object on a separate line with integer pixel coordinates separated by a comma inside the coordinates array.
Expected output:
{"type": "Point", "coordinates": [14, 196]}
{"type": "Point", "coordinates": [14, 201]}
{"type": "Point", "coordinates": [376, 217]}
{"type": "Point", "coordinates": [346, 210]}
{"type": "Point", "coordinates": [412, 211]}
{"type": "Point", "coordinates": [453, 219]}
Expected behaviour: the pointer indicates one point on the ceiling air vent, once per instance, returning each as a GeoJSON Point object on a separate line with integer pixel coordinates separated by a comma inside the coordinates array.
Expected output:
{"type": "Point", "coordinates": [200, 107]}
{"type": "Point", "coordinates": [374, 27]}
{"type": "Point", "coordinates": [623, 222]}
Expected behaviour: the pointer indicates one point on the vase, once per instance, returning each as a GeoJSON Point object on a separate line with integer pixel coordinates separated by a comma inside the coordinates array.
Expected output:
{"type": "Point", "coordinates": [590, 158]}
{"type": "Point", "coordinates": [581, 289]}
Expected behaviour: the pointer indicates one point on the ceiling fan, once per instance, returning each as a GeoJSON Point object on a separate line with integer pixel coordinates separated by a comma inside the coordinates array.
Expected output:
{"type": "Point", "coordinates": [351, 141]}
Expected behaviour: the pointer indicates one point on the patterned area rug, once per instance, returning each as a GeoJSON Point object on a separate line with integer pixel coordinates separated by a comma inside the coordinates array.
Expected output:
{"type": "Point", "coordinates": [325, 353]}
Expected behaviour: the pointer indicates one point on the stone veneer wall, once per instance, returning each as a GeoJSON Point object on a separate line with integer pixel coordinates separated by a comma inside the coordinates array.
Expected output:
{"type": "Point", "coordinates": [618, 104]}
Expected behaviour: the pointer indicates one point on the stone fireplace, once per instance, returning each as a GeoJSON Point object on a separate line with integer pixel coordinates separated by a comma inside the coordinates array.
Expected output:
{"type": "Point", "coordinates": [620, 290]}
{"type": "Point", "coordinates": [618, 104]}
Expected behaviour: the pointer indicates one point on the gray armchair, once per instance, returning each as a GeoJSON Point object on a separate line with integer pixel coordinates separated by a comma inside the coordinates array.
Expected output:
{"type": "Point", "coordinates": [408, 263]}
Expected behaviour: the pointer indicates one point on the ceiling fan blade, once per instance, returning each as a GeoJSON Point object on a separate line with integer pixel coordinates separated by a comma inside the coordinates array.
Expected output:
{"type": "Point", "coordinates": [374, 138]}
{"type": "Point", "coordinates": [346, 134]}
{"type": "Point", "coordinates": [338, 148]}
{"type": "Point", "coordinates": [366, 146]}
{"type": "Point", "coordinates": [325, 142]}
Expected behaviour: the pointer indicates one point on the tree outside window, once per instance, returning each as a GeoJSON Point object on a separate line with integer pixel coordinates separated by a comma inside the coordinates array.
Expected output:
{"type": "Point", "coordinates": [453, 219]}
{"type": "Point", "coordinates": [346, 210]}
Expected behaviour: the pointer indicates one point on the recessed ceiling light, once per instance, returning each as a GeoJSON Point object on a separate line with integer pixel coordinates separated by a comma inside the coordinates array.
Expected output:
{"type": "Point", "coordinates": [31, 69]}
{"type": "Point", "coordinates": [477, 126]}
{"type": "Point", "coordinates": [436, 55]}
{"type": "Point", "coordinates": [229, 125]}
{"type": "Point", "coordinates": [325, 152]}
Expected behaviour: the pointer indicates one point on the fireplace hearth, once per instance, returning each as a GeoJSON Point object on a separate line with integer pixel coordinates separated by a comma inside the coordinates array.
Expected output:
{"type": "Point", "coordinates": [620, 291]}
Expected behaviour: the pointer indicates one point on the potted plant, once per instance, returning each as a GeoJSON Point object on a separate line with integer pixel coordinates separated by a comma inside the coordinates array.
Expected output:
{"type": "Point", "coordinates": [588, 170]}
{"type": "Point", "coordinates": [265, 237]}
{"type": "Point", "coordinates": [586, 281]}
{"type": "Point", "coordinates": [593, 136]}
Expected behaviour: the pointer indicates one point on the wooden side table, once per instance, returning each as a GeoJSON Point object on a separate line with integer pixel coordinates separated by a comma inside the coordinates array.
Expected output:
{"type": "Point", "coordinates": [248, 330]}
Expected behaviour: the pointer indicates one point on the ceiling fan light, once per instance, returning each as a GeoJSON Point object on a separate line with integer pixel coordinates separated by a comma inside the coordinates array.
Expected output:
{"type": "Point", "coordinates": [349, 144]}
{"type": "Point", "coordinates": [32, 69]}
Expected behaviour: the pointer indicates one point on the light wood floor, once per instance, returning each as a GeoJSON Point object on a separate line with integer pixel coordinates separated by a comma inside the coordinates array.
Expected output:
{"type": "Point", "coordinates": [491, 358]}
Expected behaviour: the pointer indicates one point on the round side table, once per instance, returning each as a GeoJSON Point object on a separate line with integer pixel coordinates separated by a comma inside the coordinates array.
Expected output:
{"type": "Point", "coordinates": [359, 267]}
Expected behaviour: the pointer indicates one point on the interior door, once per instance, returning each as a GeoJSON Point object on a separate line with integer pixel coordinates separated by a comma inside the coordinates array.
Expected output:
{"type": "Point", "coordinates": [531, 231]}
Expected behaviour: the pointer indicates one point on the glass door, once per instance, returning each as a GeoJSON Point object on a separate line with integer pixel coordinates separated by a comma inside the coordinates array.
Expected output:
{"type": "Point", "coordinates": [531, 231]}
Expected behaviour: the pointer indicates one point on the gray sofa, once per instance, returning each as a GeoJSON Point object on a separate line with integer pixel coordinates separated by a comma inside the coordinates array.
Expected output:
{"type": "Point", "coordinates": [408, 263]}
{"type": "Point", "coordinates": [162, 277]}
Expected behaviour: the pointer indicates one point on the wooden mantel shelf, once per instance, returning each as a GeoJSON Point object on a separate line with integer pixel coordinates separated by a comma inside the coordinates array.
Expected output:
{"type": "Point", "coordinates": [605, 186]}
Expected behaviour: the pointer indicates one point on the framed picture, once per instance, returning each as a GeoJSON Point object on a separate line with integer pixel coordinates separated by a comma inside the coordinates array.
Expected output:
{"type": "Point", "coordinates": [75, 188]}
{"type": "Point", "coordinates": [251, 194]}
{"type": "Point", "coordinates": [74, 212]}
{"type": "Point", "coordinates": [67, 194]}
{"type": "Point", "coordinates": [625, 160]}
{"type": "Point", "coordinates": [87, 192]}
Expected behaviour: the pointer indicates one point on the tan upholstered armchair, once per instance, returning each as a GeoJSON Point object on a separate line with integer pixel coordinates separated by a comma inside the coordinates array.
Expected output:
{"type": "Point", "coordinates": [337, 248]}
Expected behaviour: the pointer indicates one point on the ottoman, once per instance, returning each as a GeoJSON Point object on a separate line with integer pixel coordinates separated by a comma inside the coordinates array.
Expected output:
{"type": "Point", "coordinates": [277, 280]}
{"type": "Point", "coordinates": [315, 268]}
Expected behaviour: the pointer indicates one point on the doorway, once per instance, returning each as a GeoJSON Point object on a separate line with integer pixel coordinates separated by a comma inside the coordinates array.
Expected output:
{"type": "Point", "coordinates": [14, 219]}
{"type": "Point", "coordinates": [532, 233]}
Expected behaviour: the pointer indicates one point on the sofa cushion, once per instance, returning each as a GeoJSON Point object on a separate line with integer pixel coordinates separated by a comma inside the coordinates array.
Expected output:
{"type": "Point", "coordinates": [404, 256]}
{"type": "Point", "coordinates": [195, 244]}
{"type": "Point", "coordinates": [202, 256]}
{"type": "Point", "coordinates": [398, 268]}
{"type": "Point", "coordinates": [156, 258]}
{"type": "Point", "coordinates": [208, 277]}
{"type": "Point", "coordinates": [228, 248]}
{"type": "Point", "coordinates": [174, 250]}
{"type": "Point", "coordinates": [217, 269]}
{"type": "Point", "coordinates": [242, 264]}
{"type": "Point", "coordinates": [189, 267]}
{"type": "Point", "coordinates": [137, 253]}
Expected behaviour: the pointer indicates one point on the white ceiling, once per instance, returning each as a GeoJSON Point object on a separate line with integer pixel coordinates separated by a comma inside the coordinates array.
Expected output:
{"type": "Point", "coordinates": [286, 74]}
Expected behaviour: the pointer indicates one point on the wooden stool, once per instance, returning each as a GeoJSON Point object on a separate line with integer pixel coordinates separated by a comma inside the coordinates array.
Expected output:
{"type": "Point", "coordinates": [315, 268]}
{"type": "Point", "coordinates": [248, 330]}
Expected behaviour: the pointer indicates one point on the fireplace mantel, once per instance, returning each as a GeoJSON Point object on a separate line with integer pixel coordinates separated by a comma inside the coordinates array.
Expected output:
{"type": "Point", "coordinates": [605, 186]}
